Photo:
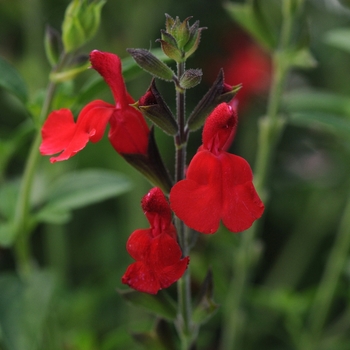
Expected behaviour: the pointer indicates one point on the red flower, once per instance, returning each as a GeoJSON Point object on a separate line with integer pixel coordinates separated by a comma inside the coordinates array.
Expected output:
{"type": "Point", "coordinates": [128, 130]}
{"type": "Point", "coordinates": [218, 185]}
{"type": "Point", "coordinates": [156, 251]}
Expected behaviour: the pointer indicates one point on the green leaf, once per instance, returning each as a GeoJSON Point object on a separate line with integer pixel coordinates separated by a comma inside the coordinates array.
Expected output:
{"type": "Point", "coordinates": [81, 188]}
{"type": "Point", "coordinates": [245, 15]}
{"type": "Point", "coordinates": [7, 235]}
{"type": "Point", "coordinates": [11, 81]}
{"type": "Point", "coordinates": [339, 38]}
{"type": "Point", "coordinates": [300, 58]}
{"type": "Point", "coordinates": [160, 304]}
{"type": "Point", "coordinates": [24, 307]}
{"type": "Point", "coordinates": [328, 122]}
{"type": "Point", "coordinates": [317, 101]}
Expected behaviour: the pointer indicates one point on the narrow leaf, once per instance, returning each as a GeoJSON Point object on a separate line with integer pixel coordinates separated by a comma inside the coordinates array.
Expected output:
{"type": "Point", "coordinates": [11, 81]}
{"type": "Point", "coordinates": [339, 38]}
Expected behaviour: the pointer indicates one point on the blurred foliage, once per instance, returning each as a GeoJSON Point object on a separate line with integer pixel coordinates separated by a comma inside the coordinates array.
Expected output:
{"type": "Point", "coordinates": [84, 259]}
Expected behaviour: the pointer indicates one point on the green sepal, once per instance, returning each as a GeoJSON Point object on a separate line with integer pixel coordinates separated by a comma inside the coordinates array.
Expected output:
{"type": "Point", "coordinates": [160, 304]}
{"type": "Point", "coordinates": [151, 64]}
{"type": "Point", "coordinates": [53, 45]}
{"type": "Point", "coordinates": [194, 39]}
{"type": "Point", "coordinates": [153, 106]}
{"type": "Point", "coordinates": [205, 306]}
{"type": "Point", "coordinates": [218, 93]}
{"type": "Point", "coordinates": [151, 165]}
{"type": "Point", "coordinates": [170, 47]}
{"type": "Point", "coordinates": [191, 78]}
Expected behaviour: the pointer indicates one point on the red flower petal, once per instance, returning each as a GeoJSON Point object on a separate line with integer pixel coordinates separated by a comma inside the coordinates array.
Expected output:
{"type": "Point", "coordinates": [241, 204]}
{"type": "Point", "coordinates": [197, 200]}
{"type": "Point", "coordinates": [110, 68]}
{"type": "Point", "coordinates": [129, 131]}
{"type": "Point", "coordinates": [160, 264]}
{"type": "Point", "coordinates": [140, 277]}
{"type": "Point", "coordinates": [60, 133]}
{"type": "Point", "coordinates": [216, 188]}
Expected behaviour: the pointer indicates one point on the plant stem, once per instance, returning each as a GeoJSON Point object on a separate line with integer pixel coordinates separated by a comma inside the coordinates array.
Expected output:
{"type": "Point", "coordinates": [270, 130]}
{"type": "Point", "coordinates": [184, 323]}
{"type": "Point", "coordinates": [326, 289]}
{"type": "Point", "coordinates": [22, 218]}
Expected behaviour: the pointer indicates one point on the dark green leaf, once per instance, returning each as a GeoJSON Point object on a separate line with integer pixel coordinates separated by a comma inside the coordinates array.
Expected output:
{"type": "Point", "coordinates": [11, 81]}
{"type": "Point", "coordinates": [160, 304]}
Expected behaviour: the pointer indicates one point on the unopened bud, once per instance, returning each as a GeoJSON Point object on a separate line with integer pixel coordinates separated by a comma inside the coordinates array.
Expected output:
{"type": "Point", "coordinates": [81, 21]}
{"type": "Point", "coordinates": [151, 64]}
{"type": "Point", "coordinates": [218, 93]}
{"type": "Point", "coordinates": [53, 45]}
{"type": "Point", "coordinates": [153, 106]}
{"type": "Point", "coordinates": [191, 78]}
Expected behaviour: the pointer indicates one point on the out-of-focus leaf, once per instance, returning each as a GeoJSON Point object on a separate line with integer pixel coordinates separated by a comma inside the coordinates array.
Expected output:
{"type": "Point", "coordinates": [24, 307]}
{"type": "Point", "coordinates": [317, 101]}
{"type": "Point", "coordinates": [160, 304]}
{"type": "Point", "coordinates": [245, 15]}
{"type": "Point", "coordinates": [206, 307]}
{"type": "Point", "coordinates": [81, 188]}
{"type": "Point", "coordinates": [11, 81]}
{"type": "Point", "coordinates": [300, 58]}
{"type": "Point", "coordinates": [339, 38]}
{"type": "Point", "coordinates": [6, 234]}
{"type": "Point", "coordinates": [331, 123]}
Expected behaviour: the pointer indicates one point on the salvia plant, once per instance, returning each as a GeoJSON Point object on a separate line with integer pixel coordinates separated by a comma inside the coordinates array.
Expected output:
{"type": "Point", "coordinates": [214, 188]}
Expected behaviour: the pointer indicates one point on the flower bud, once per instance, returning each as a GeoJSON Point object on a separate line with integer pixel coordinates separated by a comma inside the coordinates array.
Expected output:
{"type": "Point", "coordinates": [191, 78]}
{"type": "Point", "coordinates": [152, 106]}
{"type": "Point", "coordinates": [179, 40]}
{"type": "Point", "coordinates": [53, 45]}
{"type": "Point", "coordinates": [81, 21]}
{"type": "Point", "coordinates": [151, 64]}
{"type": "Point", "coordinates": [218, 93]}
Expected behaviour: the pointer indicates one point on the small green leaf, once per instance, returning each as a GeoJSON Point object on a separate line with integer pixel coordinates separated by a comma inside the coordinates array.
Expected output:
{"type": "Point", "coordinates": [11, 81]}
{"type": "Point", "coordinates": [79, 189]}
{"type": "Point", "coordinates": [160, 304]}
{"type": "Point", "coordinates": [339, 38]}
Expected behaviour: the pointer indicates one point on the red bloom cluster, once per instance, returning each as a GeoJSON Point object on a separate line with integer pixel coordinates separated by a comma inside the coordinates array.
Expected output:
{"type": "Point", "coordinates": [128, 130]}
{"type": "Point", "coordinates": [156, 251]}
{"type": "Point", "coordinates": [218, 185]}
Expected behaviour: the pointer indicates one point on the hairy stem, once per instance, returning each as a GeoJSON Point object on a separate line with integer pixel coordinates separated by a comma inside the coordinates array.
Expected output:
{"type": "Point", "coordinates": [184, 322]}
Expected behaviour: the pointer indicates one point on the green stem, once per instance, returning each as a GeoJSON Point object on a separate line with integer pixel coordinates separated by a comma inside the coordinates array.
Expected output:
{"type": "Point", "coordinates": [22, 218]}
{"type": "Point", "coordinates": [326, 289]}
{"type": "Point", "coordinates": [184, 322]}
{"type": "Point", "coordinates": [270, 130]}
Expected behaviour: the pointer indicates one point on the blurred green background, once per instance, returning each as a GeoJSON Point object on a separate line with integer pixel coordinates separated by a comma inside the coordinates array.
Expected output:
{"type": "Point", "coordinates": [309, 184]}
